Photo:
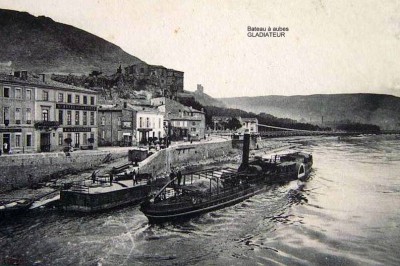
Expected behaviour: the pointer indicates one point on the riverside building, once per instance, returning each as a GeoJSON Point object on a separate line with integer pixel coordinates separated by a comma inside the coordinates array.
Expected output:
{"type": "Point", "coordinates": [184, 122]}
{"type": "Point", "coordinates": [129, 125]}
{"type": "Point", "coordinates": [38, 114]}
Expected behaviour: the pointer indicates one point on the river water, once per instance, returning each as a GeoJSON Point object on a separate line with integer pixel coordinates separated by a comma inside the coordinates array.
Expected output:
{"type": "Point", "coordinates": [347, 213]}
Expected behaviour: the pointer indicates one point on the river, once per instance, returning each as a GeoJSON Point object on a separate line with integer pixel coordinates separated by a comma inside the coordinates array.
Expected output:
{"type": "Point", "coordinates": [347, 213]}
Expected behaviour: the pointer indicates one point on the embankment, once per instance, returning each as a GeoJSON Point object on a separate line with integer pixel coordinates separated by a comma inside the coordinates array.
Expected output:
{"type": "Point", "coordinates": [15, 169]}
{"type": "Point", "coordinates": [186, 154]}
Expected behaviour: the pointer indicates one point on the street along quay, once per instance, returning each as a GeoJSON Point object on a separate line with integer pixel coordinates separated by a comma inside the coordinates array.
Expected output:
{"type": "Point", "coordinates": [79, 192]}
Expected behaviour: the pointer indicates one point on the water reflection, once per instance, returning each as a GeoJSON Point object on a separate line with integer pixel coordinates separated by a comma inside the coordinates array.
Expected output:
{"type": "Point", "coordinates": [345, 214]}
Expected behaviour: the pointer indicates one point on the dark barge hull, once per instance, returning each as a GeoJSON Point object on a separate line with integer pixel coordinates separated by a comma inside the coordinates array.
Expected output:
{"type": "Point", "coordinates": [167, 212]}
{"type": "Point", "coordinates": [96, 202]}
{"type": "Point", "coordinates": [10, 213]}
{"type": "Point", "coordinates": [192, 210]}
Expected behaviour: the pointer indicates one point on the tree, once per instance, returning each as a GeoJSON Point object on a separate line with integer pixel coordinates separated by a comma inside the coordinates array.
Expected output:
{"type": "Point", "coordinates": [233, 124]}
{"type": "Point", "coordinates": [68, 141]}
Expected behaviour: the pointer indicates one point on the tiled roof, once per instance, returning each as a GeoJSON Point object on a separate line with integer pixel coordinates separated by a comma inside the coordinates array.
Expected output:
{"type": "Point", "coordinates": [36, 81]}
{"type": "Point", "coordinates": [249, 120]}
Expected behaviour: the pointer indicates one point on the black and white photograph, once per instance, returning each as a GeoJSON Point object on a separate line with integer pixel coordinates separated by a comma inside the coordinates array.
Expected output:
{"type": "Point", "coordinates": [173, 132]}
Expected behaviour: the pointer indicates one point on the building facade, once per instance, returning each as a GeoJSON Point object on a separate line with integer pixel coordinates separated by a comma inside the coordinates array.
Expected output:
{"type": "Point", "coordinates": [129, 125]}
{"type": "Point", "coordinates": [249, 123]}
{"type": "Point", "coordinates": [184, 122]}
{"type": "Point", "coordinates": [39, 115]}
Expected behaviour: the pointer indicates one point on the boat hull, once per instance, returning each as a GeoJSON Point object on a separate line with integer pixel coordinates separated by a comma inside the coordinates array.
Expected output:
{"type": "Point", "coordinates": [159, 215]}
{"type": "Point", "coordinates": [254, 178]}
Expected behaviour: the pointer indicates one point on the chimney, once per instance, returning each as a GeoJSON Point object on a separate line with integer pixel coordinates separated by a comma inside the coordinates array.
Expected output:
{"type": "Point", "coordinates": [24, 75]}
{"type": "Point", "coordinates": [246, 151]}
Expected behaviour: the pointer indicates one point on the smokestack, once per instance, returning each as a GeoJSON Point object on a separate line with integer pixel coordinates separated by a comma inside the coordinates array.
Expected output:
{"type": "Point", "coordinates": [246, 151]}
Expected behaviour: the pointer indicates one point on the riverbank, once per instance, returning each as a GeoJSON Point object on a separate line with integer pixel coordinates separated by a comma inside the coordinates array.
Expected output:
{"type": "Point", "coordinates": [155, 164]}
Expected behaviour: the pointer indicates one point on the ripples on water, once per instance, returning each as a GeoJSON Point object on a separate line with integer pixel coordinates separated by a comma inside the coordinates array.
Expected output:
{"type": "Point", "coordinates": [347, 213]}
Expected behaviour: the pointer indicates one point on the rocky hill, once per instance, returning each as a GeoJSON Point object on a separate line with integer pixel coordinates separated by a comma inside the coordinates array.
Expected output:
{"type": "Point", "coordinates": [203, 98]}
{"type": "Point", "coordinates": [40, 44]}
{"type": "Point", "coordinates": [326, 109]}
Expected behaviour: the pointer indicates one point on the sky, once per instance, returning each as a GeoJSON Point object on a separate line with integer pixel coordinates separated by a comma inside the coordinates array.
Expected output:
{"type": "Point", "coordinates": [340, 46]}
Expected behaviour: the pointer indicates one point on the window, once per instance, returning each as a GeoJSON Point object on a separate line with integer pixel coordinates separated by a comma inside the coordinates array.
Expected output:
{"type": "Point", "coordinates": [76, 117]}
{"type": "Point", "coordinates": [193, 129]}
{"type": "Point", "coordinates": [45, 95]}
{"type": "Point", "coordinates": [28, 116]}
{"type": "Point", "coordinates": [77, 140]}
{"type": "Point", "coordinates": [6, 93]}
{"type": "Point", "coordinates": [29, 94]}
{"type": "Point", "coordinates": [84, 119]}
{"type": "Point", "coordinates": [18, 94]}
{"type": "Point", "coordinates": [119, 121]}
{"type": "Point", "coordinates": [193, 123]}
{"type": "Point", "coordinates": [28, 140]}
{"type": "Point", "coordinates": [147, 122]}
{"type": "Point", "coordinates": [60, 97]}
{"type": "Point", "coordinates": [91, 118]}
{"type": "Point", "coordinates": [61, 117]}
{"type": "Point", "coordinates": [140, 122]}
{"type": "Point", "coordinates": [45, 115]}
{"type": "Point", "coordinates": [69, 117]}
{"type": "Point", "coordinates": [92, 100]}
{"type": "Point", "coordinates": [159, 123]}
{"type": "Point", "coordinates": [85, 138]}
{"type": "Point", "coordinates": [84, 99]}
{"type": "Point", "coordinates": [103, 120]}
{"type": "Point", "coordinates": [18, 116]}
{"type": "Point", "coordinates": [77, 98]}
{"type": "Point", "coordinates": [142, 70]}
{"type": "Point", "coordinates": [69, 98]}
{"type": "Point", "coordinates": [60, 139]}
{"type": "Point", "coordinates": [17, 140]}
{"type": "Point", "coordinates": [6, 115]}
{"type": "Point", "coordinates": [103, 134]}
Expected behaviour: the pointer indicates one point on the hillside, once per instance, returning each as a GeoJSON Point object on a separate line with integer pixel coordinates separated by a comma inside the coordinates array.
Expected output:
{"type": "Point", "coordinates": [378, 109]}
{"type": "Point", "coordinates": [205, 99]}
{"type": "Point", "coordinates": [40, 44]}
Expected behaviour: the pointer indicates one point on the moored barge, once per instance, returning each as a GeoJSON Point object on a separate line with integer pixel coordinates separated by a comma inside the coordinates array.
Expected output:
{"type": "Point", "coordinates": [218, 188]}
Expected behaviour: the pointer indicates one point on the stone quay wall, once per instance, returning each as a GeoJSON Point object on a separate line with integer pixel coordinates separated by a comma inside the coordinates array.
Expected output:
{"type": "Point", "coordinates": [15, 169]}
{"type": "Point", "coordinates": [179, 156]}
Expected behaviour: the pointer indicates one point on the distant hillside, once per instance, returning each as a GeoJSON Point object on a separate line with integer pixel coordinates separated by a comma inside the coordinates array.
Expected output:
{"type": "Point", "coordinates": [40, 44]}
{"type": "Point", "coordinates": [378, 109]}
{"type": "Point", "coordinates": [205, 99]}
